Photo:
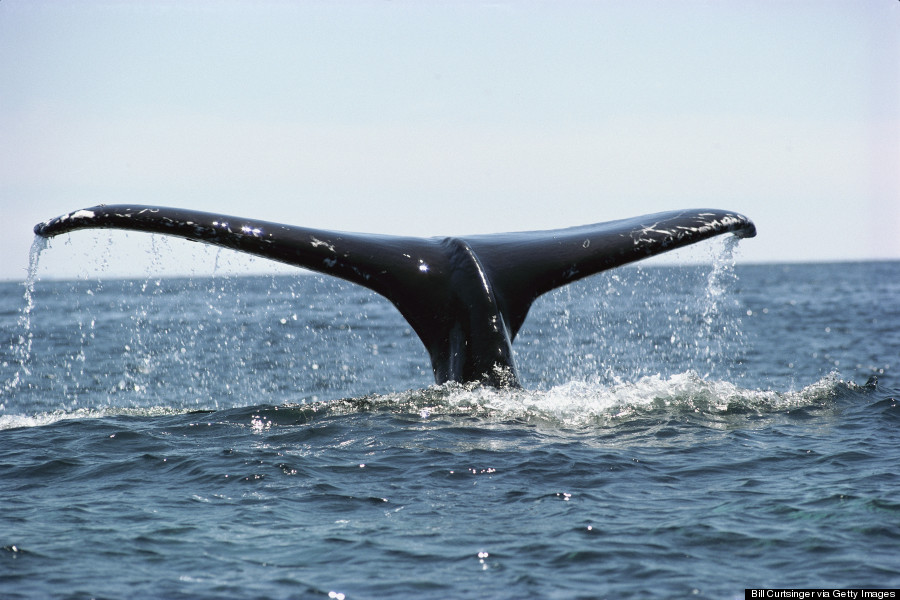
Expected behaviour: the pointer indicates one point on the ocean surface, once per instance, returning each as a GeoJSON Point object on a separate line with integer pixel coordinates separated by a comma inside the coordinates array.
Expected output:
{"type": "Point", "coordinates": [686, 431]}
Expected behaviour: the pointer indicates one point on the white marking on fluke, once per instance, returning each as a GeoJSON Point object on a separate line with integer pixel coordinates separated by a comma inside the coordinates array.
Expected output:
{"type": "Point", "coordinates": [317, 242]}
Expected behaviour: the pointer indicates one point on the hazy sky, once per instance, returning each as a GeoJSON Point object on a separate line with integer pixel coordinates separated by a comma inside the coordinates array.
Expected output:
{"type": "Point", "coordinates": [433, 118]}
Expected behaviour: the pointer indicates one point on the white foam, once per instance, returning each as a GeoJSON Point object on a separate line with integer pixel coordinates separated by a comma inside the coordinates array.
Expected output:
{"type": "Point", "coordinates": [580, 404]}
{"type": "Point", "coordinates": [575, 404]}
{"type": "Point", "coordinates": [49, 418]}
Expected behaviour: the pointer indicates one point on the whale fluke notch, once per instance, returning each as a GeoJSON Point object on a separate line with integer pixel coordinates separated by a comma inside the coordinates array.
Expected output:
{"type": "Point", "coordinates": [466, 298]}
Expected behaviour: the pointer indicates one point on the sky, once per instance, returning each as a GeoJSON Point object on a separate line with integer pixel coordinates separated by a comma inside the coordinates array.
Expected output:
{"type": "Point", "coordinates": [449, 118]}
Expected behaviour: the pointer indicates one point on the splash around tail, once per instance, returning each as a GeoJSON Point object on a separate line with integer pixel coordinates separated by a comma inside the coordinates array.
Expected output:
{"type": "Point", "coordinates": [650, 402]}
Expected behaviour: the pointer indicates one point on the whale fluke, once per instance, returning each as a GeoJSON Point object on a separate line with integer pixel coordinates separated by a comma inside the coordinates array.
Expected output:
{"type": "Point", "coordinates": [465, 297]}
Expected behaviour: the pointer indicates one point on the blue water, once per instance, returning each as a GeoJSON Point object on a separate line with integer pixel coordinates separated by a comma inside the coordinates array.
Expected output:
{"type": "Point", "coordinates": [688, 431]}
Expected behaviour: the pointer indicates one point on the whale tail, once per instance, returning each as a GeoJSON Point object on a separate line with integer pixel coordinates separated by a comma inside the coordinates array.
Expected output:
{"type": "Point", "coordinates": [466, 298]}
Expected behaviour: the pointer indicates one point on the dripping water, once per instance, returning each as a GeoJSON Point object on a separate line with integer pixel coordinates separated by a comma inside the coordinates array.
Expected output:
{"type": "Point", "coordinates": [720, 332]}
{"type": "Point", "coordinates": [21, 345]}
{"type": "Point", "coordinates": [647, 319]}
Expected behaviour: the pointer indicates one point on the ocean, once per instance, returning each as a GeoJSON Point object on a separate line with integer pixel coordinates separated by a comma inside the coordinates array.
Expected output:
{"type": "Point", "coordinates": [685, 431]}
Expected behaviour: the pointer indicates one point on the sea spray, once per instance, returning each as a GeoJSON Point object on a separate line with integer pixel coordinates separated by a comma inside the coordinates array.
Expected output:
{"type": "Point", "coordinates": [34, 255]}
{"type": "Point", "coordinates": [643, 320]}
{"type": "Point", "coordinates": [20, 346]}
{"type": "Point", "coordinates": [719, 334]}
{"type": "Point", "coordinates": [689, 317]}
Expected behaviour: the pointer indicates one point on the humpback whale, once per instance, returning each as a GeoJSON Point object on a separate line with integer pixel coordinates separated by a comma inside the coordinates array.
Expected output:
{"type": "Point", "coordinates": [465, 297]}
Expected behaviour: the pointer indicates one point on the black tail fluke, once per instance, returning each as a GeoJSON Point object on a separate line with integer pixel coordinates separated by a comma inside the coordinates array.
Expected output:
{"type": "Point", "coordinates": [466, 298]}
